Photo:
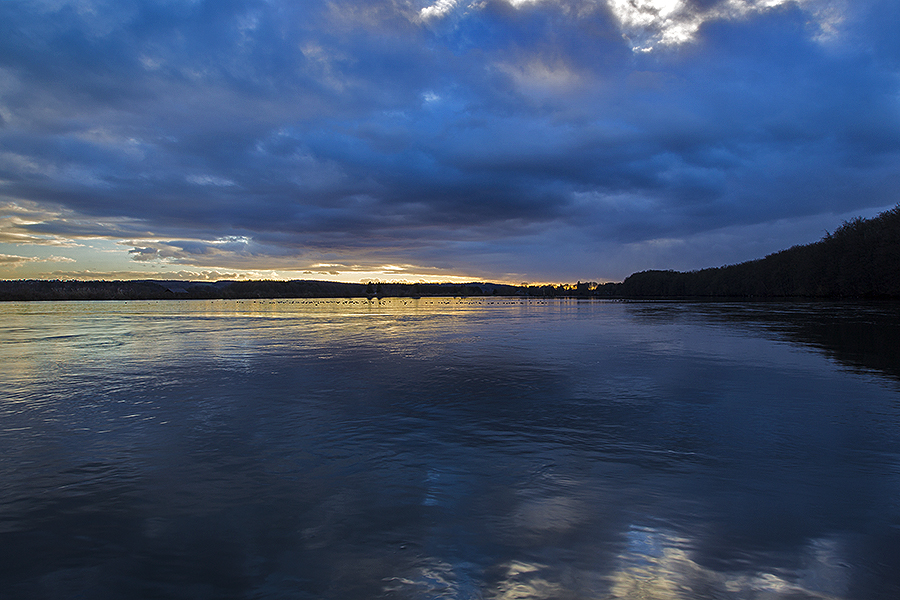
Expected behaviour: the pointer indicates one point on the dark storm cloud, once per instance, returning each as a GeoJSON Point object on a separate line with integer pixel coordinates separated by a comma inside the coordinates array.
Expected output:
{"type": "Point", "coordinates": [487, 131]}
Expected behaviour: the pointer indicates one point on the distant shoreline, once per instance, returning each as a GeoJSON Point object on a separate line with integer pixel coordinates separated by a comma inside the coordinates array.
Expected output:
{"type": "Point", "coordinates": [37, 290]}
{"type": "Point", "coordinates": [135, 290]}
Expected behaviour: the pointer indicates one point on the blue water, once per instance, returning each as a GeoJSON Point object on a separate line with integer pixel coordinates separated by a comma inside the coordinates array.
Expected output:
{"type": "Point", "coordinates": [449, 448]}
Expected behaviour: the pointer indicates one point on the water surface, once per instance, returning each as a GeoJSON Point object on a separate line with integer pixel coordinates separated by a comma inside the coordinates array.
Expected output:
{"type": "Point", "coordinates": [449, 448]}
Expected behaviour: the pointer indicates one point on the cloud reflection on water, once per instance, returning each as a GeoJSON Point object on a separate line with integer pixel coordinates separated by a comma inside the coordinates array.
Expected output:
{"type": "Point", "coordinates": [654, 564]}
{"type": "Point", "coordinates": [564, 451]}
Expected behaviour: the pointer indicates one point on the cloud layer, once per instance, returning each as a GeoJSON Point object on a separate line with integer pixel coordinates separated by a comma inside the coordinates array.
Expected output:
{"type": "Point", "coordinates": [521, 140]}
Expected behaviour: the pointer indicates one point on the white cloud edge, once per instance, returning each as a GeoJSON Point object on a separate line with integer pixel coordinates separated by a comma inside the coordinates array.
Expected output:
{"type": "Point", "coordinates": [647, 24]}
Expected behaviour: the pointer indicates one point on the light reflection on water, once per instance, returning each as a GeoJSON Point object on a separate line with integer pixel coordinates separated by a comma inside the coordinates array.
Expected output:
{"type": "Point", "coordinates": [449, 448]}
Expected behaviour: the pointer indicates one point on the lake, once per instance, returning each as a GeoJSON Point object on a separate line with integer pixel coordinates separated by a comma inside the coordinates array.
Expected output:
{"type": "Point", "coordinates": [491, 448]}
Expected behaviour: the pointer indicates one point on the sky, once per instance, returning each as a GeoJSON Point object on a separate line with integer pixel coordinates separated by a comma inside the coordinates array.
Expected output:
{"type": "Point", "coordinates": [512, 141]}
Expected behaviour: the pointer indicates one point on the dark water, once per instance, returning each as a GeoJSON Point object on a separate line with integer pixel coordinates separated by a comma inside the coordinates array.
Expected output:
{"type": "Point", "coordinates": [449, 449]}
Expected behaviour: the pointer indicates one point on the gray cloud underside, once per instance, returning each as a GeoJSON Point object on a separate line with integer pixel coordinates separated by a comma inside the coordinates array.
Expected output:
{"type": "Point", "coordinates": [330, 127]}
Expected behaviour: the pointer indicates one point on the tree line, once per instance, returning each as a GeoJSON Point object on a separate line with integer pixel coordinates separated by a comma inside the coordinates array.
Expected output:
{"type": "Point", "coordinates": [861, 259]}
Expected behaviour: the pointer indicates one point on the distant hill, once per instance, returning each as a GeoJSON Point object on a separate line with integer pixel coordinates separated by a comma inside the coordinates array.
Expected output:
{"type": "Point", "coordinates": [861, 259]}
{"type": "Point", "coordinates": [31, 289]}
